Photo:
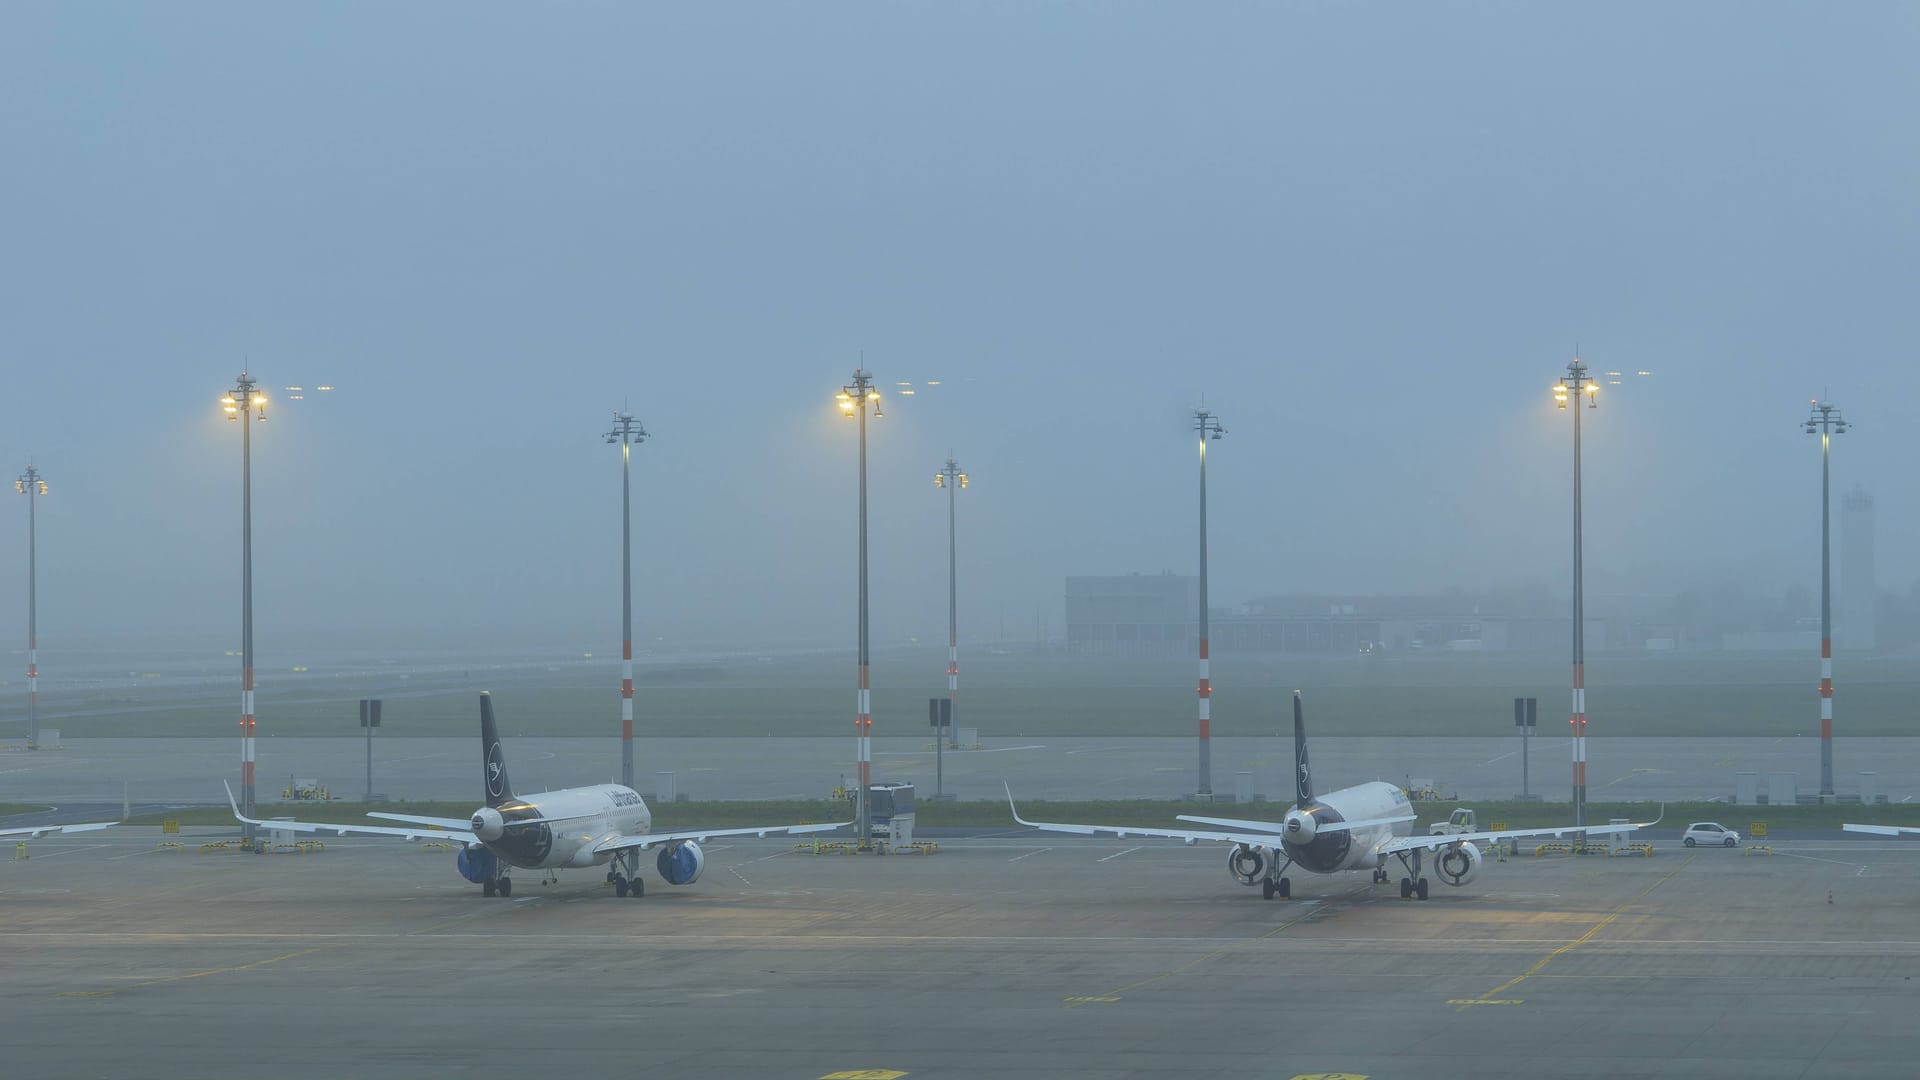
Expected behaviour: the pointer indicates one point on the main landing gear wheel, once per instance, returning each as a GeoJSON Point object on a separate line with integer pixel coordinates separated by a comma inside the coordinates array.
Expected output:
{"type": "Point", "coordinates": [1267, 888]}
{"type": "Point", "coordinates": [636, 888]}
{"type": "Point", "coordinates": [619, 886]}
{"type": "Point", "coordinates": [506, 886]}
{"type": "Point", "coordinates": [486, 887]}
{"type": "Point", "coordinates": [1420, 888]}
{"type": "Point", "coordinates": [1406, 888]}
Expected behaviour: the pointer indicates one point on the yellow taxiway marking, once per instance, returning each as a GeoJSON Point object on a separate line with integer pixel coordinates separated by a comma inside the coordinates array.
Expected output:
{"type": "Point", "coordinates": [865, 1074]}
{"type": "Point", "coordinates": [1489, 996]}
{"type": "Point", "coordinates": [192, 974]}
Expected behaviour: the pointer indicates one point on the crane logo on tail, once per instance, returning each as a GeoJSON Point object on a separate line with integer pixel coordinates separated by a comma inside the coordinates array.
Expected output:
{"type": "Point", "coordinates": [493, 770]}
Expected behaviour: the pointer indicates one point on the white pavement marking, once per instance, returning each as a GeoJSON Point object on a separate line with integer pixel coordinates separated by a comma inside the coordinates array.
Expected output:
{"type": "Point", "coordinates": [1815, 858]}
{"type": "Point", "coordinates": [1029, 854]}
{"type": "Point", "coordinates": [1117, 854]}
{"type": "Point", "coordinates": [739, 875]}
{"type": "Point", "coordinates": [1502, 757]}
{"type": "Point", "coordinates": [1098, 750]}
{"type": "Point", "coordinates": [1004, 749]}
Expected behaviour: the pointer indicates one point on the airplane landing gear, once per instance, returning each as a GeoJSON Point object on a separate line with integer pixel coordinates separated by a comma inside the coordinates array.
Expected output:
{"type": "Point", "coordinates": [627, 883]}
{"type": "Point", "coordinates": [497, 887]}
{"type": "Point", "coordinates": [1413, 885]}
{"type": "Point", "coordinates": [1276, 884]}
{"type": "Point", "coordinates": [1379, 876]}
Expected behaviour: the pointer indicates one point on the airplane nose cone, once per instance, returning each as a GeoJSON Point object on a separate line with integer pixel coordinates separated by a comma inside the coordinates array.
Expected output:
{"type": "Point", "coordinates": [488, 824]}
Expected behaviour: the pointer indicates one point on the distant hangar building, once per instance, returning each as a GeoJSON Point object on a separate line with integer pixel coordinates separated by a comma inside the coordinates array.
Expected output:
{"type": "Point", "coordinates": [1158, 614]}
{"type": "Point", "coordinates": [1854, 624]}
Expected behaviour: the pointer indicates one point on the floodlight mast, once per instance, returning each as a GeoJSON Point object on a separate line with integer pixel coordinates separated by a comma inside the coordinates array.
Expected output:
{"type": "Point", "coordinates": [1825, 421]}
{"type": "Point", "coordinates": [953, 479]}
{"type": "Point", "coordinates": [628, 432]}
{"type": "Point", "coordinates": [32, 486]}
{"type": "Point", "coordinates": [1208, 425]}
{"type": "Point", "coordinates": [1583, 388]}
{"type": "Point", "coordinates": [246, 402]}
{"type": "Point", "coordinates": [853, 399]}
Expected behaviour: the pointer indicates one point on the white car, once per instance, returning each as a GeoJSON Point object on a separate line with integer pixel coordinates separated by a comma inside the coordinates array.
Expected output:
{"type": "Point", "coordinates": [1709, 832]}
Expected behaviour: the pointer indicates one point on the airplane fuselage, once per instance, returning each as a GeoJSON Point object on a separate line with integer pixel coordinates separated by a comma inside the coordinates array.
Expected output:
{"type": "Point", "coordinates": [587, 817]}
{"type": "Point", "coordinates": [1352, 849]}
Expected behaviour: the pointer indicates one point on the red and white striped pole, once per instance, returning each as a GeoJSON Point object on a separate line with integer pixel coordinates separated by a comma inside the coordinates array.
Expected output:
{"type": "Point", "coordinates": [626, 431]}
{"type": "Point", "coordinates": [245, 403]}
{"type": "Point", "coordinates": [1208, 425]}
{"type": "Point", "coordinates": [953, 479]}
{"type": "Point", "coordinates": [32, 486]}
{"type": "Point", "coordinates": [1584, 390]}
{"type": "Point", "coordinates": [1827, 422]}
{"type": "Point", "coordinates": [854, 399]}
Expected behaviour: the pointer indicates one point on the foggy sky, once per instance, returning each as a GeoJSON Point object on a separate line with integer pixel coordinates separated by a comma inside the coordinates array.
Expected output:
{"type": "Point", "coordinates": [1369, 235]}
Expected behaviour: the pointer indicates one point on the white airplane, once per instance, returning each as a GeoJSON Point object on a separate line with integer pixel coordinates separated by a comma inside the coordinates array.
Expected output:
{"type": "Point", "coordinates": [570, 828]}
{"type": "Point", "coordinates": [1354, 828]}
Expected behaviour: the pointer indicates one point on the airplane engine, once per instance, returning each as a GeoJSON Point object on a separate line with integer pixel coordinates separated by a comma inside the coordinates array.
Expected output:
{"type": "Point", "coordinates": [488, 824]}
{"type": "Point", "coordinates": [477, 864]}
{"type": "Point", "coordinates": [680, 864]}
{"type": "Point", "coordinates": [1249, 864]}
{"type": "Point", "coordinates": [1300, 827]}
{"type": "Point", "coordinates": [1457, 865]}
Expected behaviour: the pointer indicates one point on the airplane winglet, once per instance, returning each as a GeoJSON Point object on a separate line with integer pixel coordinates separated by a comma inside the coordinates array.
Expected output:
{"type": "Point", "coordinates": [1014, 809]}
{"type": "Point", "coordinates": [233, 803]}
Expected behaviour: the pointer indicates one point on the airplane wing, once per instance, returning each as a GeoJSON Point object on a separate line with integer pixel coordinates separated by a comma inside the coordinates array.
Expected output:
{"type": "Point", "coordinates": [1126, 832]}
{"type": "Point", "coordinates": [462, 835]}
{"type": "Point", "coordinates": [1408, 843]}
{"type": "Point", "coordinates": [37, 831]}
{"type": "Point", "coordinates": [1880, 830]}
{"type": "Point", "coordinates": [443, 822]}
{"type": "Point", "coordinates": [1278, 827]}
{"type": "Point", "coordinates": [647, 840]}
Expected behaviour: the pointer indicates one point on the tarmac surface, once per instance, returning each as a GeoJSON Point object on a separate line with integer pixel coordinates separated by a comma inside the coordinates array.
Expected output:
{"type": "Point", "coordinates": [1012, 956]}
{"type": "Point", "coordinates": [188, 771]}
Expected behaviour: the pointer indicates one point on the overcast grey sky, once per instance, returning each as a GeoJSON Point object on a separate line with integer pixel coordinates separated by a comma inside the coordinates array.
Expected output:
{"type": "Point", "coordinates": [1369, 234]}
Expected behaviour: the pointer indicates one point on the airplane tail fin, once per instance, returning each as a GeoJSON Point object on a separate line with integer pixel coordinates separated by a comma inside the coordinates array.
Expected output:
{"type": "Point", "coordinates": [493, 768]}
{"type": "Point", "coordinates": [1302, 777]}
